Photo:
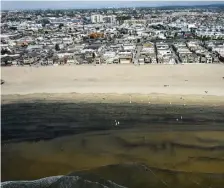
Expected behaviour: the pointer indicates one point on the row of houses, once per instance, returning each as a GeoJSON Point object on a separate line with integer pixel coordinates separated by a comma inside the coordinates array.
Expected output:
{"type": "Point", "coordinates": [194, 52]}
{"type": "Point", "coordinates": [148, 54]}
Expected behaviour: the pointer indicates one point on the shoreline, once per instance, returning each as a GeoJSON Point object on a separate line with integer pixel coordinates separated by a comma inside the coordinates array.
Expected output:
{"type": "Point", "coordinates": [128, 98]}
{"type": "Point", "coordinates": [120, 91]}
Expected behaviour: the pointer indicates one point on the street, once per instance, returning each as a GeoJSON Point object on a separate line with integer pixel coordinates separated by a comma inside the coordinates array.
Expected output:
{"type": "Point", "coordinates": [136, 55]}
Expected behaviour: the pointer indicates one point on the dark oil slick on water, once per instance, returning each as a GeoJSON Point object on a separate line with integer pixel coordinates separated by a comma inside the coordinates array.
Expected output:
{"type": "Point", "coordinates": [152, 146]}
{"type": "Point", "coordinates": [28, 121]}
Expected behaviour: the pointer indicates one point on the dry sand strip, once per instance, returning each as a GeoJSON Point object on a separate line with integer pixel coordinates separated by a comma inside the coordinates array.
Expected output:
{"type": "Point", "coordinates": [195, 79]}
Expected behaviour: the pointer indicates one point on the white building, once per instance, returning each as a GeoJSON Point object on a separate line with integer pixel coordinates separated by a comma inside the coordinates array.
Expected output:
{"type": "Point", "coordinates": [109, 19]}
{"type": "Point", "coordinates": [97, 18]}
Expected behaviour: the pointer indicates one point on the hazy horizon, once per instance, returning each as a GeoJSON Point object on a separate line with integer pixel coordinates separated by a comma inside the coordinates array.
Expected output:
{"type": "Point", "coordinates": [23, 5]}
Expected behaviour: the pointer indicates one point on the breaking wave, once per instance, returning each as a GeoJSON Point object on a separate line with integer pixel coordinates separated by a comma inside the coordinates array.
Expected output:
{"type": "Point", "coordinates": [60, 182]}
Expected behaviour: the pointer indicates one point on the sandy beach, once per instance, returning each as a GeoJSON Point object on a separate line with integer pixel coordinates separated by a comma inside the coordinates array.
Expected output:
{"type": "Point", "coordinates": [195, 79]}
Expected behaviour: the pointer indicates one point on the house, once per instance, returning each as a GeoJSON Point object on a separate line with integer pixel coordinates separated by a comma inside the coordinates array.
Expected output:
{"type": "Point", "coordinates": [135, 21]}
{"type": "Point", "coordinates": [109, 57]}
{"type": "Point", "coordinates": [97, 60]}
{"type": "Point", "coordinates": [162, 46]}
{"type": "Point", "coordinates": [153, 58]}
{"type": "Point", "coordinates": [189, 58]}
{"type": "Point", "coordinates": [125, 57]}
{"type": "Point", "coordinates": [141, 60]}
{"type": "Point", "coordinates": [203, 59]}
{"type": "Point", "coordinates": [147, 60]}
{"type": "Point", "coordinates": [209, 58]}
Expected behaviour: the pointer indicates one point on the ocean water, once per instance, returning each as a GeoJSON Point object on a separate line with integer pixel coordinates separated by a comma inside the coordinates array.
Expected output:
{"type": "Point", "coordinates": [42, 120]}
{"type": "Point", "coordinates": [123, 175]}
{"type": "Point", "coordinates": [153, 146]}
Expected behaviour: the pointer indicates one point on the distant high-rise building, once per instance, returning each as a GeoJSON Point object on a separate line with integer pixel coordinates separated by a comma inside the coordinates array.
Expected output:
{"type": "Point", "coordinates": [97, 18]}
{"type": "Point", "coordinates": [109, 19]}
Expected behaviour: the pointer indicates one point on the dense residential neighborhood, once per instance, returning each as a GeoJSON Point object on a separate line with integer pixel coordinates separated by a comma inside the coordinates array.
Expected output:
{"type": "Point", "coordinates": [112, 36]}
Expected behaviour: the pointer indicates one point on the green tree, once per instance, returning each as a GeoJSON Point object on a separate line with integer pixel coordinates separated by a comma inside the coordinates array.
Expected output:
{"type": "Point", "coordinates": [57, 47]}
{"type": "Point", "coordinates": [44, 22]}
{"type": "Point", "coordinates": [60, 26]}
{"type": "Point", "coordinates": [175, 35]}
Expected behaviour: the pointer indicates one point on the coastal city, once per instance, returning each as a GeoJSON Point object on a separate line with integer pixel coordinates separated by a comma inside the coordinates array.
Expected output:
{"type": "Point", "coordinates": [163, 35]}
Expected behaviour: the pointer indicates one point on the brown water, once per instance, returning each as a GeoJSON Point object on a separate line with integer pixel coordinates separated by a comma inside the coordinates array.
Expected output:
{"type": "Point", "coordinates": [181, 146]}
